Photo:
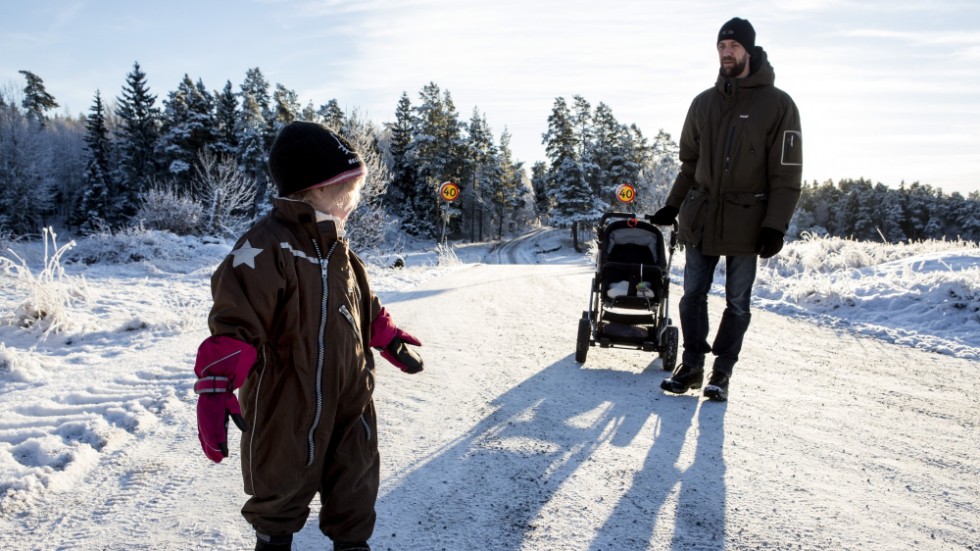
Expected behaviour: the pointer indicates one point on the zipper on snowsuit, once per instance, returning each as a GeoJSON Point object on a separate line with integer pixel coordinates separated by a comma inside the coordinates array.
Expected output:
{"type": "Point", "coordinates": [357, 332]}
{"type": "Point", "coordinates": [350, 319]}
{"type": "Point", "coordinates": [320, 348]}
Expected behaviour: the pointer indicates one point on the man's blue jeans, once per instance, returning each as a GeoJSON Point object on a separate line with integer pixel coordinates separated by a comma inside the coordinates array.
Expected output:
{"type": "Point", "coordinates": [699, 272]}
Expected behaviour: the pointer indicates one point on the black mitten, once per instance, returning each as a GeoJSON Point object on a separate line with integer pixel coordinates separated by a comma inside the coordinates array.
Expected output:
{"type": "Point", "coordinates": [770, 242]}
{"type": "Point", "coordinates": [400, 355]}
{"type": "Point", "coordinates": [664, 217]}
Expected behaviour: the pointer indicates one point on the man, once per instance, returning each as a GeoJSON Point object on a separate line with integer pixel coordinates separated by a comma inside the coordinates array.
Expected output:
{"type": "Point", "coordinates": [739, 182]}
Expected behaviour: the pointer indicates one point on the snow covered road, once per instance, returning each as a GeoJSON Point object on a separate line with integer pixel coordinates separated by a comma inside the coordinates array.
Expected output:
{"type": "Point", "coordinates": [830, 441]}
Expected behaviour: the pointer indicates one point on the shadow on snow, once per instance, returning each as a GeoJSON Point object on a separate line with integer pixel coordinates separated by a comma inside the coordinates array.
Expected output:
{"type": "Point", "coordinates": [489, 488]}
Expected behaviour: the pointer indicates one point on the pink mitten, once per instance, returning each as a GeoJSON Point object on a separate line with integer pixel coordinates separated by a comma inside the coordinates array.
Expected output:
{"type": "Point", "coordinates": [382, 330]}
{"type": "Point", "coordinates": [213, 411]}
{"type": "Point", "coordinates": [392, 342]}
{"type": "Point", "coordinates": [222, 365]}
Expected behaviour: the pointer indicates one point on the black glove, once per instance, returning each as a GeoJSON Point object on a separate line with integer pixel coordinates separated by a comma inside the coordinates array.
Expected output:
{"type": "Point", "coordinates": [666, 216]}
{"type": "Point", "coordinates": [770, 242]}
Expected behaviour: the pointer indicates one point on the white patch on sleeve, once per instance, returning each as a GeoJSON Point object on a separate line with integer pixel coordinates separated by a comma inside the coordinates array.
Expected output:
{"type": "Point", "coordinates": [792, 148]}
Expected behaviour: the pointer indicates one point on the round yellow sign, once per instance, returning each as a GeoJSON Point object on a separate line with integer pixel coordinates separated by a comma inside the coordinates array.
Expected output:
{"type": "Point", "coordinates": [449, 191]}
{"type": "Point", "coordinates": [626, 193]}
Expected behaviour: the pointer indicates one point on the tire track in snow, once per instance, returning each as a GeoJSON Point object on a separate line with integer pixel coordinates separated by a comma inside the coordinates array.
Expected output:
{"type": "Point", "coordinates": [519, 250]}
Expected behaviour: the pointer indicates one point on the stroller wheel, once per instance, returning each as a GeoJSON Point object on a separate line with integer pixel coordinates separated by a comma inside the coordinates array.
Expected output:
{"type": "Point", "coordinates": [584, 336]}
{"type": "Point", "coordinates": [668, 347]}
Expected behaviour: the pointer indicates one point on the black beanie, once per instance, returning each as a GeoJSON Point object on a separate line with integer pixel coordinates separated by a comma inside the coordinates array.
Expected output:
{"type": "Point", "coordinates": [306, 155]}
{"type": "Point", "coordinates": [739, 30]}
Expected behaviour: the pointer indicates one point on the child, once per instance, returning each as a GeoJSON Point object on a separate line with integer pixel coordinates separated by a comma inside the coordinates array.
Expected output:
{"type": "Point", "coordinates": [292, 324]}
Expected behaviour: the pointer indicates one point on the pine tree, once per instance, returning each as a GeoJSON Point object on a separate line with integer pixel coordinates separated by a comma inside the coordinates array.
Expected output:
{"type": "Point", "coordinates": [863, 224]}
{"type": "Point", "coordinates": [919, 201]}
{"type": "Point", "coordinates": [483, 175]}
{"type": "Point", "coordinates": [539, 185]}
{"type": "Point", "coordinates": [632, 159]}
{"type": "Point", "coordinates": [560, 140]}
{"type": "Point", "coordinates": [403, 170]}
{"type": "Point", "coordinates": [37, 100]}
{"type": "Point", "coordinates": [661, 166]}
{"type": "Point", "coordinates": [965, 215]}
{"type": "Point", "coordinates": [309, 113]}
{"type": "Point", "coordinates": [95, 208]}
{"type": "Point", "coordinates": [824, 202]}
{"type": "Point", "coordinates": [287, 107]}
{"type": "Point", "coordinates": [332, 115]}
{"type": "Point", "coordinates": [581, 119]}
{"type": "Point", "coordinates": [887, 213]}
{"type": "Point", "coordinates": [65, 139]}
{"type": "Point", "coordinates": [26, 183]}
{"type": "Point", "coordinates": [574, 202]}
{"type": "Point", "coordinates": [187, 129]}
{"type": "Point", "coordinates": [509, 200]}
{"type": "Point", "coordinates": [453, 138]}
{"type": "Point", "coordinates": [568, 190]}
{"type": "Point", "coordinates": [436, 153]}
{"type": "Point", "coordinates": [256, 130]}
{"type": "Point", "coordinates": [225, 120]}
{"type": "Point", "coordinates": [139, 131]}
{"type": "Point", "coordinates": [604, 153]}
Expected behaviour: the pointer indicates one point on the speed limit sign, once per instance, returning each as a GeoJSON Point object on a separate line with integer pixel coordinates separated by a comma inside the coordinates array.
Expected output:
{"type": "Point", "coordinates": [626, 193]}
{"type": "Point", "coordinates": [449, 191]}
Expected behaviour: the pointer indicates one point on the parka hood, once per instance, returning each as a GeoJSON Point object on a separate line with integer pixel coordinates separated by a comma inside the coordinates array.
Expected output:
{"type": "Point", "coordinates": [761, 73]}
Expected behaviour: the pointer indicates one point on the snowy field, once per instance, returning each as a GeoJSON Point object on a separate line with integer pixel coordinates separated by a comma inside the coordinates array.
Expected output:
{"type": "Point", "coordinates": [851, 423]}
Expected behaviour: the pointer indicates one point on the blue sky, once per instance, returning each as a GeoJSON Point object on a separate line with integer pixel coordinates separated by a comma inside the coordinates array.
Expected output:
{"type": "Point", "coordinates": [887, 90]}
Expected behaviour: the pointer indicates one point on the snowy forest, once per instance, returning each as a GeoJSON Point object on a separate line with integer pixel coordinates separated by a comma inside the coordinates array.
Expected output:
{"type": "Point", "coordinates": [194, 163]}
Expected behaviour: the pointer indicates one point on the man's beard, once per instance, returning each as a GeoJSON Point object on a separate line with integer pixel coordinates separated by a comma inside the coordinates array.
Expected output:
{"type": "Point", "coordinates": [736, 69]}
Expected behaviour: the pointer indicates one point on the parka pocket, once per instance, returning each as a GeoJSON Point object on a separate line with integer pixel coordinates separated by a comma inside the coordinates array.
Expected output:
{"type": "Point", "coordinates": [691, 217]}
{"type": "Point", "coordinates": [743, 215]}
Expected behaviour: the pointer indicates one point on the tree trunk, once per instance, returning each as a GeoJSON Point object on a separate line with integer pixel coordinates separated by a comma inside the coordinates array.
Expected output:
{"type": "Point", "coordinates": [482, 213]}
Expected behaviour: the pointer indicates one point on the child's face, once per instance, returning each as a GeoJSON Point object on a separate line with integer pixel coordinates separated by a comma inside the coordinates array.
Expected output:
{"type": "Point", "coordinates": [325, 199]}
{"type": "Point", "coordinates": [337, 200]}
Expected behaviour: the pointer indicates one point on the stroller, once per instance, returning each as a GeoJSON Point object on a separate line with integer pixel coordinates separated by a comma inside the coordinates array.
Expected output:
{"type": "Point", "coordinates": [628, 302]}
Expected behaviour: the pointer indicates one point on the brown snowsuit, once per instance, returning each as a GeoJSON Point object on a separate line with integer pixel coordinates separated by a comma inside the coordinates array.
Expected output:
{"type": "Point", "coordinates": [301, 297]}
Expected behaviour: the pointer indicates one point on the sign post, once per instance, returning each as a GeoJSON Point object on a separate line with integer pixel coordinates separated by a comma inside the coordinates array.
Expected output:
{"type": "Point", "coordinates": [449, 193]}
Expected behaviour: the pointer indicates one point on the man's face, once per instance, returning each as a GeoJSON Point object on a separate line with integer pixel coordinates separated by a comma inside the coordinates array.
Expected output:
{"type": "Point", "coordinates": [734, 59]}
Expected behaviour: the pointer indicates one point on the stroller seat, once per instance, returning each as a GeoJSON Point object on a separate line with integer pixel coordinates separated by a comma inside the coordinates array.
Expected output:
{"type": "Point", "coordinates": [632, 268]}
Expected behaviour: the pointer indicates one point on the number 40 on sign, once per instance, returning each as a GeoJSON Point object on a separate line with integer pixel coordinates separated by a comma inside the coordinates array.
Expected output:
{"type": "Point", "coordinates": [626, 193]}
{"type": "Point", "coordinates": [449, 191]}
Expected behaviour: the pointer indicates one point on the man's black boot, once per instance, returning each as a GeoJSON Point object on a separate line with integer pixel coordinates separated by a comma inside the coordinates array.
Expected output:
{"type": "Point", "coordinates": [265, 542]}
{"type": "Point", "coordinates": [683, 378]}
{"type": "Point", "coordinates": [717, 389]}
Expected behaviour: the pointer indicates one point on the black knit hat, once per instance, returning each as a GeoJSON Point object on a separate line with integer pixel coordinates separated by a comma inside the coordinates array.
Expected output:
{"type": "Point", "coordinates": [306, 155]}
{"type": "Point", "coordinates": [739, 30]}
